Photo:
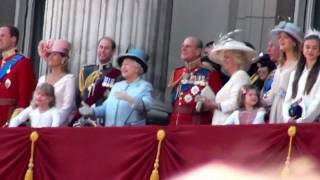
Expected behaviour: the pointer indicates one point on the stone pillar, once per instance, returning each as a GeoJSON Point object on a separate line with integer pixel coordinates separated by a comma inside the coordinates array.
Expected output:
{"type": "Point", "coordinates": [141, 24]}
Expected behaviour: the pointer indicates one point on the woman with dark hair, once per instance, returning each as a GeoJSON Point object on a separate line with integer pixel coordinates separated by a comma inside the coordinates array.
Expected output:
{"type": "Point", "coordinates": [264, 69]}
{"type": "Point", "coordinates": [304, 85]}
{"type": "Point", "coordinates": [290, 38]}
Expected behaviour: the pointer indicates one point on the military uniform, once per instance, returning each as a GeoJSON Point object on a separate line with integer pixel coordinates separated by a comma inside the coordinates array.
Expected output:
{"type": "Point", "coordinates": [95, 82]}
{"type": "Point", "coordinates": [187, 85]}
{"type": "Point", "coordinates": [17, 83]}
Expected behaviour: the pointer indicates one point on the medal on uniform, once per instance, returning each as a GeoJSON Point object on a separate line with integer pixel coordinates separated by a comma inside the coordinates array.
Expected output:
{"type": "Point", "coordinates": [195, 90]}
{"type": "Point", "coordinates": [197, 80]}
{"type": "Point", "coordinates": [202, 81]}
{"type": "Point", "coordinates": [184, 79]}
{"type": "Point", "coordinates": [7, 83]}
{"type": "Point", "coordinates": [187, 98]}
{"type": "Point", "coordinates": [8, 71]}
{"type": "Point", "coordinates": [106, 82]}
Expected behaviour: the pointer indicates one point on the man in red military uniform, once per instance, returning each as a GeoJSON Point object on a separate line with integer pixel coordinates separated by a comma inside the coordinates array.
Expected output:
{"type": "Point", "coordinates": [188, 84]}
{"type": "Point", "coordinates": [17, 79]}
{"type": "Point", "coordinates": [96, 80]}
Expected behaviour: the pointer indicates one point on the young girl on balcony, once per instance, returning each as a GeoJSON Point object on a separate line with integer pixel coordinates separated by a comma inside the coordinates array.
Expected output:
{"type": "Point", "coordinates": [250, 111]}
{"type": "Point", "coordinates": [304, 83]}
{"type": "Point", "coordinates": [42, 111]}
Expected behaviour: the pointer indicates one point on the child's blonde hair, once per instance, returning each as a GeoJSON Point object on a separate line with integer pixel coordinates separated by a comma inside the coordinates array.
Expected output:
{"type": "Point", "coordinates": [242, 96]}
{"type": "Point", "coordinates": [48, 89]}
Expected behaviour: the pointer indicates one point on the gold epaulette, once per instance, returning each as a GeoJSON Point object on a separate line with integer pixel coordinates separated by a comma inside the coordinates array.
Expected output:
{"type": "Point", "coordinates": [85, 83]}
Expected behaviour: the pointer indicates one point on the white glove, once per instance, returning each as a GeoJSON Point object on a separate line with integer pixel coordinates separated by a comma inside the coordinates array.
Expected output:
{"type": "Point", "coordinates": [86, 110]}
{"type": "Point", "coordinates": [122, 95]}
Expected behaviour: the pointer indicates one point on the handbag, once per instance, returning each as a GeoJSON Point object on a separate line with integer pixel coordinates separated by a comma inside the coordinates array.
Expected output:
{"type": "Point", "coordinates": [157, 114]}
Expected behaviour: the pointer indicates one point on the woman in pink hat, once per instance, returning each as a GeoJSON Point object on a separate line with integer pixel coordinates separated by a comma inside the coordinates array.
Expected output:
{"type": "Point", "coordinates": [56, 54]}
{"type": "Point", "coordinates": [290, 38]}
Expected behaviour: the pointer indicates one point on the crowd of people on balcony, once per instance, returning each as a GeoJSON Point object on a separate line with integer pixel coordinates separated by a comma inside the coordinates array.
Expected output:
{"type": "Point", "coordinates": [224, 83]}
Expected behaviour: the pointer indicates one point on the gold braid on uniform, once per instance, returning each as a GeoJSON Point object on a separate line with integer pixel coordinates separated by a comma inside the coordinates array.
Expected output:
{"type": "Point", "coordinates": [84, 84]}
{"type": "Point", "coordinates": [173, 83]}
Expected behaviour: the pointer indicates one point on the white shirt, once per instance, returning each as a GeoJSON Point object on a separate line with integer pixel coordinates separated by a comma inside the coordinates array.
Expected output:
{"type": "Point", "coordinates": [234, 118]}
{"type": "Point", "coordinates": [64, 90]}
{"type": "Point", "coordinates": [310, 103]}
{"type": "Point", "coordinates": [49, 118]}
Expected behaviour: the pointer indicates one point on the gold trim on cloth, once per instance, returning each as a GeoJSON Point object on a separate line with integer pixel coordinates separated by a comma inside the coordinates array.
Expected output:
{"type": "Point", "coordinates": [155, 174]}
{"type": "Point", "coordinates": [29, 174]}
{"type": "Point", "coordinates": [286, 170]}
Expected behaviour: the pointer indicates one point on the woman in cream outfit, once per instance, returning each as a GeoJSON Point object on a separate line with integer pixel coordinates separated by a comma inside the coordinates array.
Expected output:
{"type": "Point", "coordinates": [56, 54]}
{"type": "Point", "coordinates": [290, 39]}
{"type": "Point", "coordinates": [304, 84]}
{"type": "Point", "coordinates": [235, 57]}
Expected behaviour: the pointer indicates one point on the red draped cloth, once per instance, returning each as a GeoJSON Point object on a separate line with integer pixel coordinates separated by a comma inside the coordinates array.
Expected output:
{"type": "Point", "coordinates": [129, 152]}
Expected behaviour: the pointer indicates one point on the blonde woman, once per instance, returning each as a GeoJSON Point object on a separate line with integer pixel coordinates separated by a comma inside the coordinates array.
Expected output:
{"type": "Point", "coordinates": [290, 39]}
{"type": "Point", "coordinates": [235, 57]}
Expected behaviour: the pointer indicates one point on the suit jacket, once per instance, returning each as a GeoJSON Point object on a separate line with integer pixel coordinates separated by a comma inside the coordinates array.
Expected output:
{"type": "Point", "coordinates": [96, 92]}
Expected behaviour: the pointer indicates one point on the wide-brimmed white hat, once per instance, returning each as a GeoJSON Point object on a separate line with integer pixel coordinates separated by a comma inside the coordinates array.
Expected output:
{"type": "Point", "coordinates": [216, 54]}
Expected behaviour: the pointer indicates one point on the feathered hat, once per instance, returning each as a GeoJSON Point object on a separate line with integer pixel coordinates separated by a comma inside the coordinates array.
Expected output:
{"type": "Point", "coordinates": [227, 43]}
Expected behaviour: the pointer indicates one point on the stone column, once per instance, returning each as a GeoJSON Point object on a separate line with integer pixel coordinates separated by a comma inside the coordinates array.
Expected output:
{"type": "Point", "coordinates": [141, 24]}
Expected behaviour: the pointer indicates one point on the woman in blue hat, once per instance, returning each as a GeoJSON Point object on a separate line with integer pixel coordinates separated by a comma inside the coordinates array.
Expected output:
{"type": "Point", "coordinates": [290, 39]}
{"type": "Point", "coordinates": [129, 99]}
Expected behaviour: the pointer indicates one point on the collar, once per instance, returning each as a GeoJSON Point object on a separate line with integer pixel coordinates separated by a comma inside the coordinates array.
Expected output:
{"type": "Point", "coordinates": [193, 64]}
{"type": "Point", "coordinates": [133, 82]}
{"type": "Point", "coordinates": [105, 66]}
{"type": "Point", "coordinates": [8, 53]}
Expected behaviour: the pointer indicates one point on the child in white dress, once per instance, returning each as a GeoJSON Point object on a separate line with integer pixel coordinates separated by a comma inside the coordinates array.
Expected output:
{"type": "Point", "coordinates": [250, 111]}
{"type": "Point", "coordinates": [42, 111]}
{"type": "Point", "coordinates": [304, 84]}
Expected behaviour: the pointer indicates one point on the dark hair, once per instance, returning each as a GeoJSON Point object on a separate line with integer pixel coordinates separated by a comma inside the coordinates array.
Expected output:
{"type": "Point", "coordinates": [209, 44]}
{"type": "Point", "coordinates": [13, 32]}
{"type": "Point", "coordinates": [265, 61]}
{"type": "Point", "coordinates": [242, 96]}
{"type": "Point", "coordinates": [313, 74]}
{"type": "Point", "coordinates": [113, 44]}
{"type": "Point", "coordinates": [48, 90]}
